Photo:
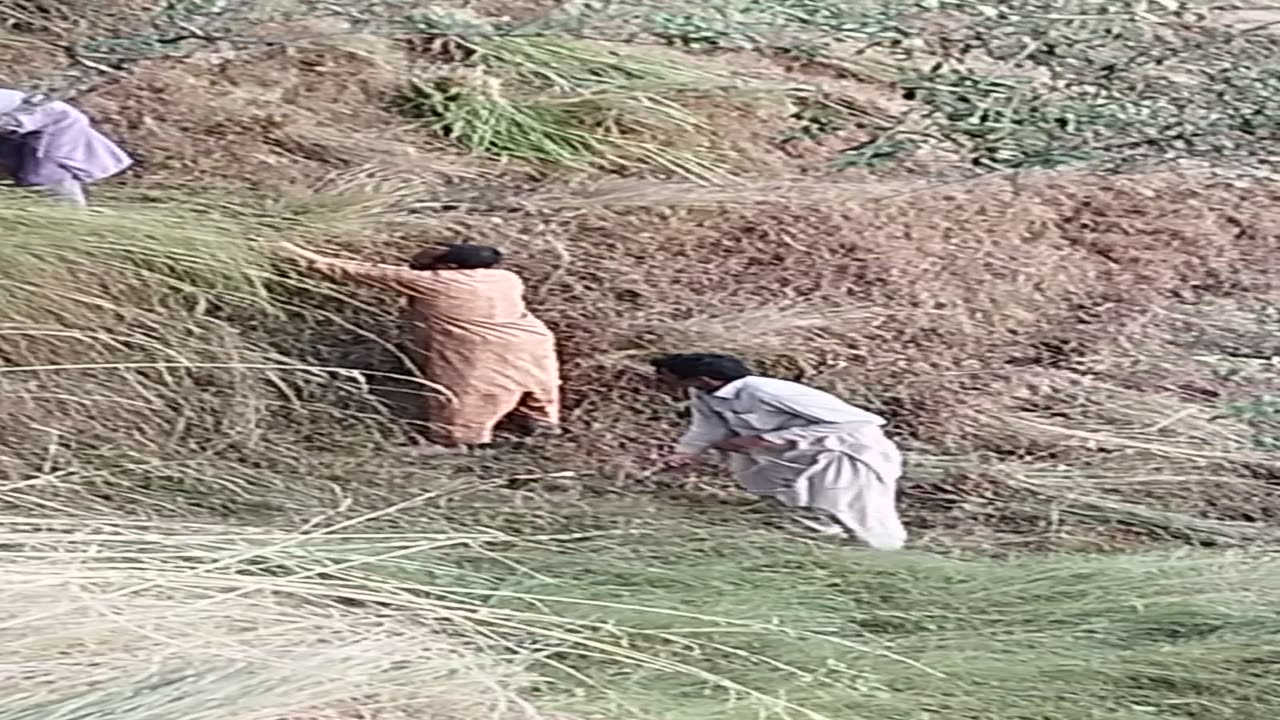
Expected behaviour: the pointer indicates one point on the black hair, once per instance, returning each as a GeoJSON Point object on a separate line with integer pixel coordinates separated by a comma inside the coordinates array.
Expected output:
{"type": "Point", "coordinates": [463, 256]}
{"type": "Point", "coordinates": [687, 366]}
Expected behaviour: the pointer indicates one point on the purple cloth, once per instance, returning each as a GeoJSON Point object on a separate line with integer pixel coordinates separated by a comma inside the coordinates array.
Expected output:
{"type": "Point", "coordinates": [54, 143]}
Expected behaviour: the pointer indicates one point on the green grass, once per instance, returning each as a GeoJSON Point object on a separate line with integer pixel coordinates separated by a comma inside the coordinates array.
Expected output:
{"type": "Point", "coordinates": [680, 620]}
{"type": "Point", "coordinates": [1018, 85]}
{"type": "Point", "coordinates": [571, 103]}
{"type": "Point", "coordinates": [849, 634]}
{"type": "Point", "coordinates": [582, 67]}
{"type": "Point", "coordinates": [604, 128]}
{"type": "Point", "coordinates": [1263, 415]}
{"type": "Point", "coordinates": [533, 131]}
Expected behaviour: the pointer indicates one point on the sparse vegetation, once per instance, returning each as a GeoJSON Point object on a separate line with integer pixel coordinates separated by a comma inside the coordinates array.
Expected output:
{"type": "Point", "coordinates": [946, 211]}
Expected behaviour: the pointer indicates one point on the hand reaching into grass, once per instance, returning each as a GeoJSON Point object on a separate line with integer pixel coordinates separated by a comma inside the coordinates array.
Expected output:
{"type": "Point", "coordinates": [678, 460]}
{"type": "Point", "coordinates": [744, 444]}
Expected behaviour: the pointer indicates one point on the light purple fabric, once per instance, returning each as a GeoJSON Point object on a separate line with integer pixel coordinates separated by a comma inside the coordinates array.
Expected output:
{"type": "Point", "coordinates": [71, 192]}
{"type": "Point", "coordinates": [54, 143]}
{"type": "Point", "coordinates": [10, 99]}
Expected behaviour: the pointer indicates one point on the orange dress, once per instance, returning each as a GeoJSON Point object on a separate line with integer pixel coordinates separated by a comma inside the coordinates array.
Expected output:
{"type": "Point", "coordinates": [476, 338]}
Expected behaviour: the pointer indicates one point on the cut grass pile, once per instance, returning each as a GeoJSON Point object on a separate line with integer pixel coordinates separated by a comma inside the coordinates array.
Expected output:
{"type": "Point", "coordinates": [673, 619]}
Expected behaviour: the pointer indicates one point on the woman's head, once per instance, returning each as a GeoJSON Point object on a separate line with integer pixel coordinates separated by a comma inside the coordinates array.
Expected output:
{"type": "Point", "coordinates": [456, 257]}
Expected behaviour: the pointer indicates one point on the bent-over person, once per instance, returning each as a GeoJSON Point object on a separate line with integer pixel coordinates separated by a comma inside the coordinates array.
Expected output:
{"type": "Point", "coordinates": [798, 445]}
{"type": "Point", "coordinates": [473, 336]}
{"type": "Point", "coordinates": [50, 144]}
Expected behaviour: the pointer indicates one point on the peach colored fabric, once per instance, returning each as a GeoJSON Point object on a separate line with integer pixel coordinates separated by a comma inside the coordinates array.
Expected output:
{"type": "Point", "coordinates": [476, 338]}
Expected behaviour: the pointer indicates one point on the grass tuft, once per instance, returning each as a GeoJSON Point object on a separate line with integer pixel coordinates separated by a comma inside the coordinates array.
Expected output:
{"type": "Point", "coordinates": [550, 101]}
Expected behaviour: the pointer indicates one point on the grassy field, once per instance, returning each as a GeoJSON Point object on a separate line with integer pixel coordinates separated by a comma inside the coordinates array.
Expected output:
{"type": "Point", "coordinates": [644, 619]}
{"type": "Point", "coordinates": [1040, 237]}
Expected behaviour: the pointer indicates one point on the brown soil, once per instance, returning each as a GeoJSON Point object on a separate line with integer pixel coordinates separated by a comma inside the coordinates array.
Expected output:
{"type": "Point", "coordinates": [963, 303]}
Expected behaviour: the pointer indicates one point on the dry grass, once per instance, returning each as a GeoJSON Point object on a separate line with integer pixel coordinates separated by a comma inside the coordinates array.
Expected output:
{"type": "Point", "coordinates": [76, 18]}
{"type": "Point", "coordinates": [942, 331]}
{"type": "Point", "coordinates": [983, 315]}
{"type": "Point", "coordinates": [976, 347]}
{"type": "Point", "coordinates": [135, 624]}
{"type": "Point", "coordinates": [1074, 361]}
{"type": "Point", "coordinates": [131, 365]}
{"type": "Point", "coordinates": [110, 618]}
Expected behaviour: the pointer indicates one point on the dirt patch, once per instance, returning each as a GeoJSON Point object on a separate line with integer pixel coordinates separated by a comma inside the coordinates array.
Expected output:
{"type": "Point", "coordinates": [25, 59]}
{"type": "Point", "coordinates": [282, 117]}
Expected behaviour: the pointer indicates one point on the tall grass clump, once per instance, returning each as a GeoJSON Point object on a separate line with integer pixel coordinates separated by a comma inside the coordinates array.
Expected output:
{"type": "Point", "coordinates": [533, 130]}
{"type": "Point", "coordinates": [676, 618]}
{"type": "Point", "coordinates": [184, 248]}
{"type": "Point", "coordinates": [570, 103]}
{"type": "Point", "coordinates": [579, 66]}
{"type": "Point", "coordinates": [152, 356]}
